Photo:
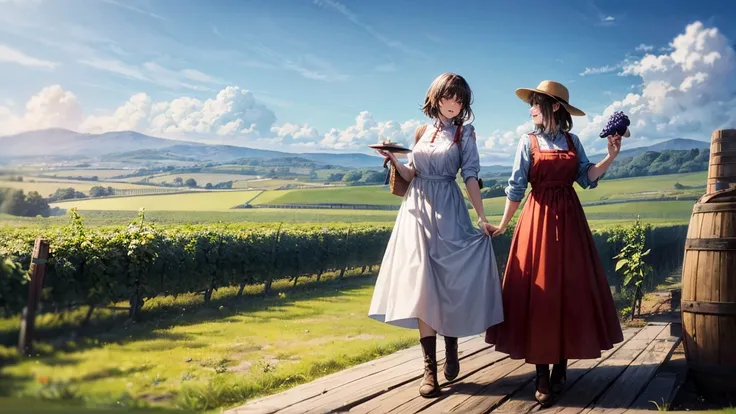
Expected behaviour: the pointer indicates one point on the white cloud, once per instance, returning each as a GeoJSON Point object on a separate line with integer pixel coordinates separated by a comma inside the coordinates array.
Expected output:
{"type": "Point", "coordinates": [198, 76]}
{"type": "Point", "coordinates": [134, 9]}
{"type": "Point", "coordinates": [599, 70]}
{"type": "Point", "coordinates": [367, 130]}
{"type": "Point", "coordinates": [688, 92]}
{"type": "Point", "coordinates": [10, 55]}
{"type": "Point", "coordinates": [289, 133]}
{"type": "Point", "coordinates": [233, 113]}
{"type": "Point", "coordinates": [609, 19]}
{"type": "Point", "coordinates": [154, 73]}
{"type": "Point", "coordinates": [51, 107]}
{"type": "Point", "coordinates": [644, 48]}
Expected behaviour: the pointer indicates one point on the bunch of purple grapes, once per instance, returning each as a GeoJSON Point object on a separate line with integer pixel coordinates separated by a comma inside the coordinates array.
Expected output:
{"type": "Point", "coordinates": [617, 124]}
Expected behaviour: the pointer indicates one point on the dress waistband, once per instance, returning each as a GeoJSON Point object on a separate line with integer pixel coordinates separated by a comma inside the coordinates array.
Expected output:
{"type": "Point", "coordinates": [429, 177]}
{"type": "Point", "coordinates": [551, 184]}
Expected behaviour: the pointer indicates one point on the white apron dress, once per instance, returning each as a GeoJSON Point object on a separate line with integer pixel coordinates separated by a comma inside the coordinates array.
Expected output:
{"type": "Point", "coordinates": [438, 266]}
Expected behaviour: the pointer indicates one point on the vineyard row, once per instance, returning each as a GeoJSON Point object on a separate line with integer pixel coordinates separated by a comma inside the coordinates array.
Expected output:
{"type": "Point", "coordinates": [98, 266]}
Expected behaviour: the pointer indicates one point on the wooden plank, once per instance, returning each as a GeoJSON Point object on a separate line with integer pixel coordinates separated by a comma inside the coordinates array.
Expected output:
{"type": "Point", "coordinates": [664, 387]}
{"type": "Point", "coordinates": [492, 394]}
{"type": "Point", "coordinates": [595, 381]}
{"type": "Point", "coordinates": [331, 382]}
{"type": "Point", "coordinates": [658, 390]}
{"type": "Point", "coordinates": [624, 390]}
{"type": "Point", "coordinates": [344, 397]}
{"type": "Point", "coordinates": [407, 397]}
{"type": "Point", "coordinates": [524, 401]}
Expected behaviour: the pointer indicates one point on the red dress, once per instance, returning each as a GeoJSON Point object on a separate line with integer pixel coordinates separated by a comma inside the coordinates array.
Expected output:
{"type": "Point", "coordinates": [556, 299]}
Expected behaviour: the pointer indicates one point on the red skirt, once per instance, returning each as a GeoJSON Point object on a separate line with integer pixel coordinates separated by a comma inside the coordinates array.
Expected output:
{"type": "Point", "coordinates": [556, 299]}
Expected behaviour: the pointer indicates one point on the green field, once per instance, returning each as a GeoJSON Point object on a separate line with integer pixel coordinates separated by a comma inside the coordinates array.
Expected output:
{"type": "Point", "coordinates": [101, 174]}
{"type": "Point", "coordinates": [340, 195]}
{"type": "Point", "coordinates": [201, 178]}
{"type": "Point", "coordinates": [627, 188]}
{"type": "Point", "coordinates": [214, 206]}
{"type": "Point", "coordinates": [203, 358]}
{"type": "Point", "coordinates": [198, 201]}
{"type": "Point", "coordinates": [48, 185]}
{"type": "Point", "coordinates": [272, 183]}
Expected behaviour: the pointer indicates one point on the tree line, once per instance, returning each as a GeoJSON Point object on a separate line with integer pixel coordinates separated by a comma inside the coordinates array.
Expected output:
{"type": "Point", "coordinates": [660, 163]}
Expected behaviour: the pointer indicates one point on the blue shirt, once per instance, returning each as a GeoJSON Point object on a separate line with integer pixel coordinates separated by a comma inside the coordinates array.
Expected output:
{"type": "Point", "coordinates": [519, 179]}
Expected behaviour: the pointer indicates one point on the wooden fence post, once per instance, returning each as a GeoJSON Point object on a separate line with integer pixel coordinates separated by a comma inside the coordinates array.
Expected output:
{"type": "Point", "coordinates": [37, 271]}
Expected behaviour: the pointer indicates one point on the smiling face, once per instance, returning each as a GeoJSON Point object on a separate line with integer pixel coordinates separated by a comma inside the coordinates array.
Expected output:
{"type": "Point", "coordinates": [548, 114]}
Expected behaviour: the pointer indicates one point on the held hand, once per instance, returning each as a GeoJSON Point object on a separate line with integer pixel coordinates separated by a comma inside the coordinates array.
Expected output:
{"type": "Point", "coordinates": [499, 231]}
{"type": "Point", "coordinates": [614, 145]}
{"type": "Point", "coordinates": [489, 229]}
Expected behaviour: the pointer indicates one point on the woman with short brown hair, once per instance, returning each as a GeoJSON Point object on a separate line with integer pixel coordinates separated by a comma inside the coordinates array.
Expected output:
{"type": "Point", "coordinates": [439, 273]}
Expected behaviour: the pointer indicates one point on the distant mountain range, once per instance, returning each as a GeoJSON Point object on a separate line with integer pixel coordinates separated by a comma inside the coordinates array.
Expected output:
{"type": "Point", "coordinates": [135, 148]}
{"type": "Point", "coordinates": [676, 144]}
{"type": "Point", "coordinates": [54, 145]}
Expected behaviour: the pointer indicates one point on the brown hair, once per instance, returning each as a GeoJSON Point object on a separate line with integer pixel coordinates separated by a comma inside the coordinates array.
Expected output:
{"type": "Point", "coordinates": [449, 86]}
{"type": "Point", "coordinates": [561, 117]}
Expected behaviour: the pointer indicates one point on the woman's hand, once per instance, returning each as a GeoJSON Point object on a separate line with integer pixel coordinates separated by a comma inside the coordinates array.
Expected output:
{"type": "Point", "coordinates": [488, 228]}
{"type": "Point", "coordinates": [501, 229]}
{"type": "Point", "coordinates": [614, 145]}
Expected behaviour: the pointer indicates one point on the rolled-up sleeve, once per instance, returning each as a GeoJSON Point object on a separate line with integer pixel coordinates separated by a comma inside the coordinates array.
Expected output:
{"type": "Point", "coordinates": [584, 165]}
{"type": "Point", "coordinates": [470, 165]}
{"type": "Point", "coordinates": [519, 179]}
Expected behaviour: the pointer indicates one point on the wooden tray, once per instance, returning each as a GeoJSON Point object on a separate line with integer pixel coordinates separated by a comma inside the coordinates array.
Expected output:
{"type": "Point", "coordinates": [391, 147]}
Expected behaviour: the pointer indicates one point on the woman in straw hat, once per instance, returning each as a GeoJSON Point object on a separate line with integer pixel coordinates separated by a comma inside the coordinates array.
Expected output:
{"type": "Point", "coordinates": [556, 299]}
{"type": "Point", "coordinates": [439, 273]}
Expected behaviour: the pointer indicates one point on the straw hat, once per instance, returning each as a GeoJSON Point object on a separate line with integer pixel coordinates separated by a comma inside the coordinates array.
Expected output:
{"type": "Point", "coordinates": [553, 89]}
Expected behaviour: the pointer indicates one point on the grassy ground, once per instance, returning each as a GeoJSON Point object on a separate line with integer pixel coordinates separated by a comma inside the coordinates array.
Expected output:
{"type": "Point", "coordinates": [38, 406]}
{"type": "Point", "coordinates": [201, 358]}
{"type": "Point", "coordinates": [203, 201]}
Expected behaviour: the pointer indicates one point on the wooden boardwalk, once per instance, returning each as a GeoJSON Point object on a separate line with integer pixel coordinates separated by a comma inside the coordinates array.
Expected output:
{"type": "Point", "coordinates": [624, 379]}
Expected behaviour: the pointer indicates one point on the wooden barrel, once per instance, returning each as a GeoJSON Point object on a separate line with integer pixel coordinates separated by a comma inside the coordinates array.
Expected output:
{"type": "Point", "coordinates": [722, 162]}
{"type": "Point", "coordinates": [708, 305]}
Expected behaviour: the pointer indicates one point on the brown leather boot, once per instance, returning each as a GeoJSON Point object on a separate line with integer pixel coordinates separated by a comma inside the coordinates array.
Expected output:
{"type": "Point", "coordinates": [429, 386]}
{"type": "Point", "coordinates": [452, 362]}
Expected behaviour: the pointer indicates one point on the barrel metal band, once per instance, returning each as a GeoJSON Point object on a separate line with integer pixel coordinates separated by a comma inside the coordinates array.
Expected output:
{"type": "Point", "coordinates": [705, 307]}
{"type": "Point", "coordinates": [728, 158]}
{"type": "Point", "coordinates": [724, 243]}
{"type": "Point", "coordinates": [715, 207]}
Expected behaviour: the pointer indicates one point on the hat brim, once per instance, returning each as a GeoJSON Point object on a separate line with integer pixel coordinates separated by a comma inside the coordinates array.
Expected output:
{"type": "Point", "coordinates": [525, 95]}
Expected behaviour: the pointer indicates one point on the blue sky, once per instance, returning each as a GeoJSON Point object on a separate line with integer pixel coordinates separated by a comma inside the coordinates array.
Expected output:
{"type": "Point", "coordinates": [331, 75]}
